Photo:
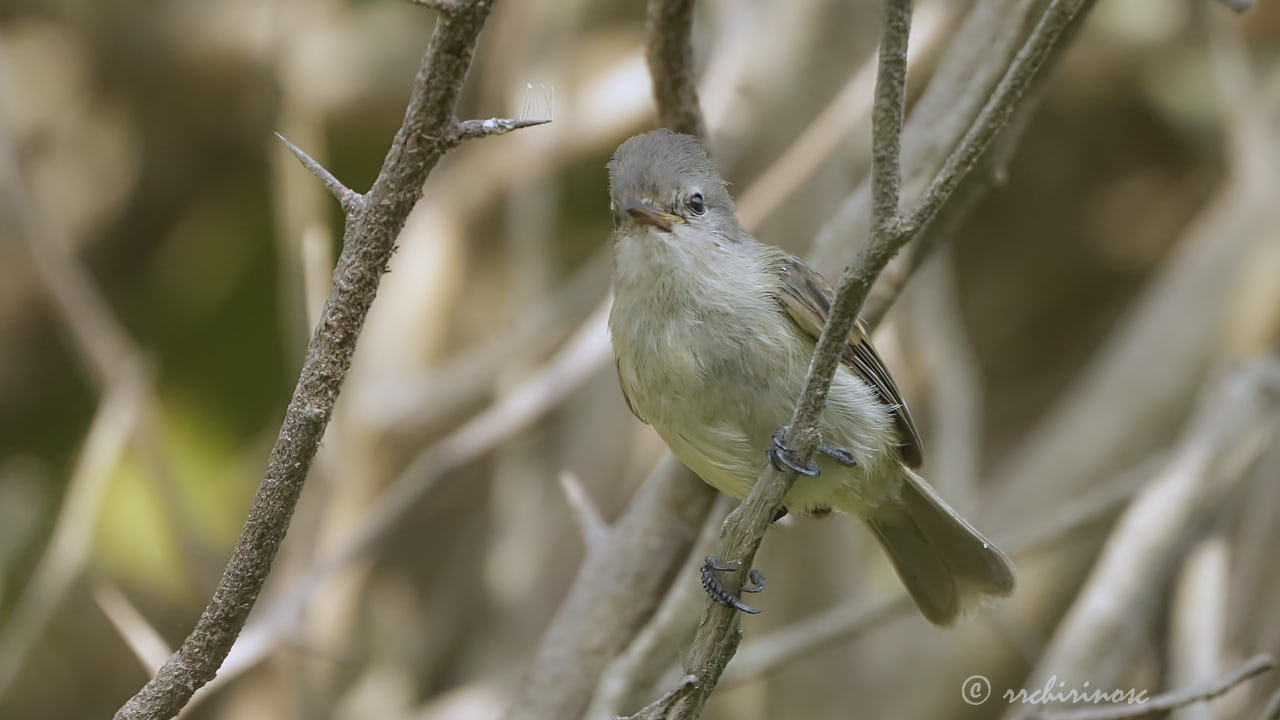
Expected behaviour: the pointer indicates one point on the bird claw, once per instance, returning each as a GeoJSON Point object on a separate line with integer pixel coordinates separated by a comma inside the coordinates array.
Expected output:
{"type": "Point", "coordinates": [839, 455]}
{"type": "Point", "coordinates": [721, 594]}
{"type": "Point", "coordinates": [780, 455]}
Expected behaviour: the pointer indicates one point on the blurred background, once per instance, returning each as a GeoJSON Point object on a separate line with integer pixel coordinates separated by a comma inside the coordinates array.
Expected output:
{"type": "Point", "coordinates": [1091, 328]}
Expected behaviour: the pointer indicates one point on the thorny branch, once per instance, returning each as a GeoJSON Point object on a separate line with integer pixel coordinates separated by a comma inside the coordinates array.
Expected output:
{"type": "Point", "coordinates": [373, 222]}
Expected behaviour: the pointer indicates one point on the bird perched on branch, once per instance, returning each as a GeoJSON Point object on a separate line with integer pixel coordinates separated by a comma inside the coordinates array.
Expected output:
{"type": "Point", "coordinates": [713, 332]}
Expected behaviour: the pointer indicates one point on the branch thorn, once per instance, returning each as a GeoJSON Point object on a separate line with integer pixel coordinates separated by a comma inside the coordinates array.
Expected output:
{"type": "Point", "coordinates": [350, 200]}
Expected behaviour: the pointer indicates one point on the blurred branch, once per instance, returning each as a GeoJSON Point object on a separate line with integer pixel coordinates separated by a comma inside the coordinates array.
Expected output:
{"type": "Point", "coordinates": [1057, 22]}
{"type": "Point", "coordinates": [594, 529]}
{"type": "Point", "coordinates": [1253, 667]}
{"type": "Point", "coordinates": [1198, 620]}
{"type": "Point", "coordinates": [368, 242]}
{"type": "Point", "coordinates": [936, 334]}
{"type": "Point", "coordinates": [144, 640]}
{"type": "Point", "coordinates": [1100, 635]}
{"type": "Point", "coordinates": [110, 357]}
{"type": "Point", "coordinates": [1159, 353]}
{"type": "Point", "coordinates": [990, 172]}
{"type": "Point", "coordinates": [417, 405]}
{"type": "Point", "coordinates": [668, 36]}
{"type": "Point", "coordinates": [845, 113]}
{"type": "Point", "coordinates": [68, 549]}
{"type": "Point", "coordinates": [1271, 711]}
{"type": "Point", "coordinates": [634, 675]}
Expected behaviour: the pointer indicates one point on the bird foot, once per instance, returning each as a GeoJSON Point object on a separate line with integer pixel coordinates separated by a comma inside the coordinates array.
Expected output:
{"type": "Point", "coordinates": [780, 455]}
{"type": "Point", "coordinates": [723, 595]}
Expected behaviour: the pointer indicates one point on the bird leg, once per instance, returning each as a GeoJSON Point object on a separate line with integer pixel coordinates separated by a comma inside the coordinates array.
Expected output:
{"type": "Point", "coordinates": [723, 595]}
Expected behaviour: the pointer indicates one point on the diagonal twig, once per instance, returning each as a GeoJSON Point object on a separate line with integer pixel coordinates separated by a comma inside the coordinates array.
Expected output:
{"type": "Point", "coordinates": [368, 242]}
{"type": "Point", "coordinates": [1251, 668]}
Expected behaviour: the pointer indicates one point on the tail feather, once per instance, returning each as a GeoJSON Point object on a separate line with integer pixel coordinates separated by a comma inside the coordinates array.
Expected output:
{"type": "Point", "coordinates": [946, 565]}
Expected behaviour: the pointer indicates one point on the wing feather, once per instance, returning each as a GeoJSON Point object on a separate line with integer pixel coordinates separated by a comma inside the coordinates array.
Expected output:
{"type": "Point", "coordinates": [622, 384]}
{"type": "Point", "coordinates": [806, 297]}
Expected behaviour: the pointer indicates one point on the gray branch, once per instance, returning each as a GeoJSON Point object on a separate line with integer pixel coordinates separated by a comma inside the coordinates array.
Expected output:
{"type": "Point", "coordinates": [668, 46]}
{"type": "Point", "coordinates": [428, 131]}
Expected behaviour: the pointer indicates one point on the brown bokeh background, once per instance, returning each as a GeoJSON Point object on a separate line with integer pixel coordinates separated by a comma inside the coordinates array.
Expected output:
{"type": "Point", "coordinates": [142, 163]}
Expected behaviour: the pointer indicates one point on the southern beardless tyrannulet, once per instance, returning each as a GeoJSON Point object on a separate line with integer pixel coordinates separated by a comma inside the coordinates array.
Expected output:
{"type": "Point", "coordinates": [713, 332]}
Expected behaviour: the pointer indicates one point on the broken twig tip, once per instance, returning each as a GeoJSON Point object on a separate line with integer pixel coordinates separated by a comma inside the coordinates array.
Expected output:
{"type": "Point", "coordinates": [467, 129]}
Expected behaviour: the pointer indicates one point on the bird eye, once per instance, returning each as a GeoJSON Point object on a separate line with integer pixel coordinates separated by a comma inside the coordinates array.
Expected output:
{"type": "Point", "coordinates": [697, 204]}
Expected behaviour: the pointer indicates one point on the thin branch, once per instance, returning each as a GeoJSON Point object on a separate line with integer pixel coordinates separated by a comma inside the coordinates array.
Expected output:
{"type": "Point", "coordinates": [1057, 23]}
{"type": "Point", "coordinates": [845, 114]}
{"type": "Point", "coordinates": [143, 639]}
{"type": "Point", "coordinates": [1198, 616]}
{"type": "Point", "coordinates": [1163, 703]}
{"type": "Point", "coordinates": [350, 200]}
{"type": "Point", "coordinates": [594, 529]}
{"type": "Point", "coordinates": [71, 541]}
{"type": "Point", "coordinates": [367, 246]}
{"type": "Point", "coordinates": [991, 172]}
{"type": "Point", "coordinates": [1271, 711]}
{"type": "Point", "coordinates": [668, 44]}
{"type": "Point", "coordinates": [468, 129]}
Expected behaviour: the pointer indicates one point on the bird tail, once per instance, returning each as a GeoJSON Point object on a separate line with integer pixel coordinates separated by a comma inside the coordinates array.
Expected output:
{"type": "Point", "coordinates": [946, 565]}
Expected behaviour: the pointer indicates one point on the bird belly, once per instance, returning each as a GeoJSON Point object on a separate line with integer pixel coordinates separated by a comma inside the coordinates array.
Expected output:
{"type": "Point", "coordinates": [722, 428]}
{"type": "Point", "coordinates": [717, 388]}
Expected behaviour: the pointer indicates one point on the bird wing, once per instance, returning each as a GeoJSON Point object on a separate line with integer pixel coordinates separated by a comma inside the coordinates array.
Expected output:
{"type": "Point", "coordinates": [617, 365]}
{"type": "Point", "coordinates": [806, 297]}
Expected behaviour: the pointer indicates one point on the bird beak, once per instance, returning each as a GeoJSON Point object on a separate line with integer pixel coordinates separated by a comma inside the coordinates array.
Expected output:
{"type": "Point", "coordinates": [645, 214]}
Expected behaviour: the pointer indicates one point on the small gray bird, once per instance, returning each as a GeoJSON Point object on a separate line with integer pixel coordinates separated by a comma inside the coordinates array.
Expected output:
{"type": "Point", "coordinates": [713, 332]}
